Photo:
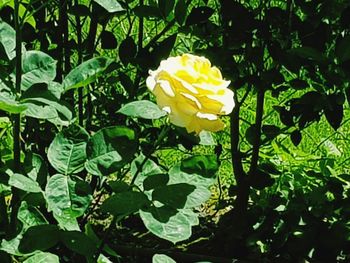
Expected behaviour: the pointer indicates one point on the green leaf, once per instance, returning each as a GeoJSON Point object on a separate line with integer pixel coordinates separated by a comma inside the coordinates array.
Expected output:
{"type": "Point", "coordinates": [181, 195]}
{"type": "Point", "coordinates": [180, 12]}
{"type": "Point", "coordinates": [154, 181]}
{"type": "Point", "coordinates": [108, 40]}
{"type": "Point", "coordinates": [110, 5]}
{"type": "Point", "coordinates": [342, 49]}
{"type": "Point", "coordinates": [8, 102]}
{"type": "Point", "coordinates": [30, 216]}
{"type": "Point", "coordinates": [127, 50]}
{"type": "Point", "coordinates": [206, 138]}
{"type": "Point", "coordinates": [78, 242]}
{"type": "Point", "coordinates": [110, 149]}
{"type": "Point", "coordinates": [67, 198]}
{"type": "Point", "coordinates": [8, 39]}
{"type": "Point", "coordinates": [103, 259]}
{"type": "Point", "coordinates": [204, 165]}
{"type": "Point", "coordinates": [167, 223]}
{"type": "Point", "coordinates": [41, 237]}
{"type": "Point", "coordinates": [125, 203]}
{"type": "Point", "coordinates": [67, 152]}
{"type": "Point", "coordinates": [178, 175]}
{"type": "Point", "coordinates": [86, 73]}
{"type": "Point", "coordinates": [199, 15]}
{"type": "Point", "coordinates": [43, 257]}
{"type": "Point", "coordinates": [309, 53]}
{"type": "Point", "coordinates": [38, 67]}
{"type": "Point", "coordinates": [147, 11]}
{"type": "Point", "coordinates": [142, 109]}
{"type": "Point", "coordinates": [149, 168]}
{"type": "Point", "coordinates": [161, 258]}
{"type": "Point", "coordinates": [35, 168]}
{"type": "Point", "coordinates": [24, 183]}
{"type": "Point", "coordinates": [166, 6]}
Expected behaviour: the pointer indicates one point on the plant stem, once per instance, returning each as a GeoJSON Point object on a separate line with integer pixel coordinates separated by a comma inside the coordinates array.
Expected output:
{"type": "Point", "coordinates": [80, 60]}
{"type": "Point", "coordinates": [17, 119]}
{"type": "Point", "coordinates": [258, 123]}
{"type": "Point", "coordinates": [161, 136]}
{"type": "Point", "coordinates": [241, 202]}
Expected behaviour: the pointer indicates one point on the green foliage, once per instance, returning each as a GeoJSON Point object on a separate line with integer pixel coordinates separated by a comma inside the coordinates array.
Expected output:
{"type": "Point", "coordinates": [273, 186]}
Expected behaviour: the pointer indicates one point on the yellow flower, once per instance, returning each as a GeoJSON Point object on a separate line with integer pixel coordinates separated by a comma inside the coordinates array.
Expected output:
{"type": "Point", "coordinates": [192, 91]}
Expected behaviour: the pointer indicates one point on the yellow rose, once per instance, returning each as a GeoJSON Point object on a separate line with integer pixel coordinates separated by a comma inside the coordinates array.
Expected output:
{"type": "Point", "coordinates": [192, 91]}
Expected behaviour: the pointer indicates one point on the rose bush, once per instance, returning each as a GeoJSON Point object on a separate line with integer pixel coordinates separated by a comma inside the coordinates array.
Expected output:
{"type": "Point", "coordinates": [192, 91]}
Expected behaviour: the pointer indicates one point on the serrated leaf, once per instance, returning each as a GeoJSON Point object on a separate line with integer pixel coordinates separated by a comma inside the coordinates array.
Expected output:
{"type": "Point", "coordinates": [142, 109]}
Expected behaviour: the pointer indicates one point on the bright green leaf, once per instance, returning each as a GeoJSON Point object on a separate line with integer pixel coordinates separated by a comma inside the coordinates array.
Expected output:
{"type": "Point", "coordinates": [38, 67]}
{"type": "Point", "coordinates": [42, 257]}
{"type": "Point", "coordinates": [86, 73]}
{"type": "Point", "coordinates": [142, 109]}
{"type": "Point", "coordinates": [24, 183]}
{"type": "Point", "coordinates": [109, 149]}
{"type": "Point", "coordinates": [161, 258]}
{"type": "Point", "coordinates": [67, 198]}
{"type": "Point", "coordinates": [110, 5]}
{"type": "Point", "coordinates": [67, 152]}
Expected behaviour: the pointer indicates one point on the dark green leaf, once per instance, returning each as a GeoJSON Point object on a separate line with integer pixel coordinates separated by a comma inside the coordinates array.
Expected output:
{"type": "Point", "coordinates": [166, 6]}
{"type": "Point", "coordinates": [79, 10]}
{"type": "Point", "coordinates": [270, 131]}
{"type": "Point", "coordinates": [86, 73]}
{"type": "Point", "coordinates": [204, 165]}
{"type": "Point", "coordinates": [108, 40]}
{"type": "Point", "coordinates": [119, 186]}
{"type": "Point", "coordinates": [142, 109]}
{"type": "Point", "coordinates": [298, 84]}
{"type": "Point", "coordinates": [342, 49]}
{"type": "Point", "coordinates": [296, 137]}
{"type": "Point", "coordinates": [125, 203]}
{"type": "Point", "coordinates": [154, 181]}
{"type": "Point", "coordinates": [147, 11]}
{"type": "Point", "coordinates": [41, 237]}
{"type": "Point", "coordinates": [199, 15]}
{"type": "Point", "coordinates": [334, 111]}
{"type": "Point", "coordinates": [67, 152]}
{"type": "Point", "coordinates": [110, 149]}
{"type": "Point", "coordinates": [260, 179]}
{"type": "Point", "coordinates": [78, 242]}
{"type": "Point", "coordinates": [127, 50]}
{"type": "Point", "coordinates": [180, 12]}
{"type": "Point", "coordinates": [309, 53]}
